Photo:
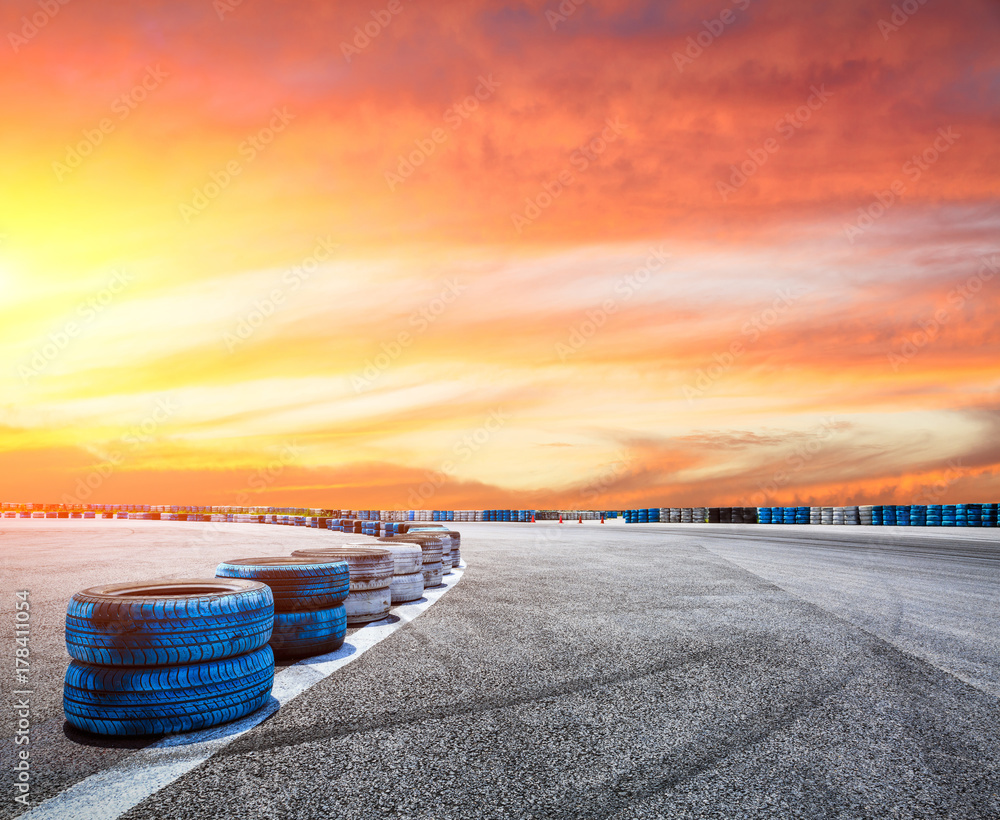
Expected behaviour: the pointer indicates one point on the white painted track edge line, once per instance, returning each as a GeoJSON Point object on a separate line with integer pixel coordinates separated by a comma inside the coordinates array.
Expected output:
{"type": "Point", "coordinates": [108, 794]}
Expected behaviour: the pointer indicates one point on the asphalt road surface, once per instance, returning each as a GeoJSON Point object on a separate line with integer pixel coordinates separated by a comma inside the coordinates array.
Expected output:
{"type": "Point", "coordinates": [584, 671]}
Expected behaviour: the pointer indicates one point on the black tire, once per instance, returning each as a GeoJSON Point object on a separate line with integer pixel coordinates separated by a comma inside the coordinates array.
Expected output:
{"type": "Point", "coordinates": [150, 701]}
{"type": "Point", "coordinates": [301, 634]}
{"type": "Point", "coordinates": [168, 622]}
{"type": "Point", "coordinates": [296, 583]}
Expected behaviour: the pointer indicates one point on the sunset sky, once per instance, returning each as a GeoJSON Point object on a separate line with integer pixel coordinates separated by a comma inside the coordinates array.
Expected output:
{"type": "Point", "coordinates": [500, 254]}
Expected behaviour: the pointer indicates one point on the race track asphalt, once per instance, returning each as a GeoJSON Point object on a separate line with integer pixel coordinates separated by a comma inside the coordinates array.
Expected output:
{"type": "Point", "coordinates": [586, 671]}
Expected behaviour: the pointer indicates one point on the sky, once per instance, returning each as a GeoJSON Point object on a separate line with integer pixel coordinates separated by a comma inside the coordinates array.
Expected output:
{"type": "Point", "coordinates": [482, 254]}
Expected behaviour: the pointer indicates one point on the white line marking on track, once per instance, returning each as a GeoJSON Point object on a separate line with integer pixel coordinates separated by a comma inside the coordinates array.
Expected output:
{"type": "Point", "coordinates": [109, 794]}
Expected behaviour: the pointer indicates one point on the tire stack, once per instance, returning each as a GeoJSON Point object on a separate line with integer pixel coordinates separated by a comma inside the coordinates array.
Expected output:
{"type": "Point", "coordinates": [408, 576]}
{"type": "Point", "coordinates": [439, 538]}
{"type": "Point", "coordinates": [675, 515]}
{"type": "Point", "coordinates": [801, 515]}
{"type": "Point", "coordinates": [918, 515]}
{"type": "Point", "coordinates": [826, 516]}
{"type": "Point", "coordinates": [816, 515]}
{"type": "Point", "coordinates": [309, 613]}
{"type": "Point", "coordinates": [852, 516]}
{"type": "Point", "coordinates": [764, 515]}
{"type": "Point", "coordinates": [902, 515]}
{"type": "Point", "coordinates": [961, 515]}
{"type": "Point", "coordinates": [725, 515]}
{"type": "Point", "coordinates": [838, 516]}
{"type": "Point", "coordinates": [948, 515]}
{"type": "Point", "coordinates": [975, 514]}
{"type": "Point", "coordinates": [167, 656]}
{"type": "Point", "coordinates": [989, 515]}
{"type": "Point", "coordinates": [456, 546]}
{"type": "Point", "coordinates": [432, 567]}
{"type": "Point", "coordinates": [933, 515]}
{"type": "Point", "coordinates": [371, 572]}
{"type": "Point", "coordinates": [865, 513]}
{"type": "Point", "coordinates": [687, 516]}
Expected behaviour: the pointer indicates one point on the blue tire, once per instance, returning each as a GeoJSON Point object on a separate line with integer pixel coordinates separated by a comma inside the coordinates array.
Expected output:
{"type": "Point", "coordinates": [302, 634]}
{"type": "Point", "coordinates": [168, 622]}
{"type": "Point", "coordinates": [161, 700]}
{"type": "Point", "coordinates": [297, 583]}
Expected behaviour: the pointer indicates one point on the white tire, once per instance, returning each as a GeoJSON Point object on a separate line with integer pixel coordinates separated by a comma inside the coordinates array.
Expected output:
{"type": "Point", "coordinates": [370, 568]}
{"type": "Point", "coordinates": [407, 587]}
{"type": "Point", "coordinates": [407, 558]}
{"type": "Point", "coordinates": [367, 605]}
{"type": "Point", "coordinates": [433, 575]}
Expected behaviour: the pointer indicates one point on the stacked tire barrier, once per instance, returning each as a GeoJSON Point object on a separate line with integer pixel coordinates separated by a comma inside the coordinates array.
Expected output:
{"type": "Point", "coordinates": [381, 523]}
{"type": "Point", "coordinates": [438, 537]}
{"type": "Point", "coordinates": [432, 567]}
{"type": "Point", "coordinates": [408, 577]}
{"type": "Point", "coordinates": [989, 515]}
{"type": "Point", "coordinates": [167, 655]}
{"type": "Point", "coordinates": [371, 572]}
{"type": "Point", "coordinates": [309, 613]}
